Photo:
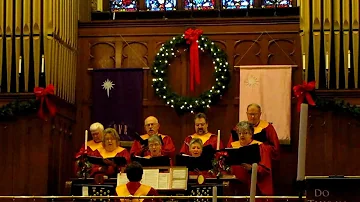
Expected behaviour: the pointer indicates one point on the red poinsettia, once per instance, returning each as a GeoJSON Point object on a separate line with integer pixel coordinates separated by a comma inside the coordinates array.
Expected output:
{"type": "Point", "coordinates": [219, 165]}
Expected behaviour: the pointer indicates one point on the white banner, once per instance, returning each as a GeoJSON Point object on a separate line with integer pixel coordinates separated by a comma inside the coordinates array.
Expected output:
{"type": "Point", "coordinates": [270, 87]}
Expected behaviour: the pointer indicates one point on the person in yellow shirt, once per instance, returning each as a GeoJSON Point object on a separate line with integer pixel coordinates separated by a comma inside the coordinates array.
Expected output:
{"type": "Point", "coordinates": [134, 172]}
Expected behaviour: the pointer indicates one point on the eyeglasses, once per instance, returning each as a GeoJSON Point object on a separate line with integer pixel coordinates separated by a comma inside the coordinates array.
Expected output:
{"type": "Point", "coordinates": [109, 139]}
{"type": "Point", "coordinates": [154, 145]}
{"type": "Point", "coordinates": [150, 124]}
{"type": "Point", "coordinates": [252, 114]}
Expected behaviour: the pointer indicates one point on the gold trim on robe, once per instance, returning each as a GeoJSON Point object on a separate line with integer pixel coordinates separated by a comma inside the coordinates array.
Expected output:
{"type": "Point", "coordinates": [236, 144]}
{"type": "Point", "coordinates": [203, 138]}
{"type": "Point", "coordinates": [262, 124]}
{"type": "Point", "coordinates": [122, 190]}
{"type": "Point", "coordinates": [93, 145]}
{"type": "Point", "coordinates": [146, 136]}
{"type": "Point", "coordinates": [105, 154]}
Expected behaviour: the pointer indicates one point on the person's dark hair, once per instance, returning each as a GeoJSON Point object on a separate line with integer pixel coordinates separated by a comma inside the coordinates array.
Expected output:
{"type": "Point", "coordinates": [201, 115]}
{"type": "Point", "coordinates": [134, 171]}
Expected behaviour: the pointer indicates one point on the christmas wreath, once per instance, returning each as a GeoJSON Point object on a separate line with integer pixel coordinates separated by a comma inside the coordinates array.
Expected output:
{"type": "Point", "coordinates": [193, 40]}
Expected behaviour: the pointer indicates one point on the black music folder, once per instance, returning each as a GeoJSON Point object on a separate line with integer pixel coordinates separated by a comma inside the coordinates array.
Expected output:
{"type": "Point", "coordinates": [143, 142]}
{"type": "Point", "coordinates": [248, 154]}
{"type": "Point", "coordinates": [234, 135]}
{"type": "Point", "coordinates": [201, 163]}
{"type": "Point", "coordinates": [153, 161]}
{"type": "Point", "coordinates": [120, 161]}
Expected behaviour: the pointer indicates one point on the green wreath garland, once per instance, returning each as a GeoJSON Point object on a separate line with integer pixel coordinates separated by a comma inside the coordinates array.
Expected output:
{"type": "Point", "coordinates": [189, 104]}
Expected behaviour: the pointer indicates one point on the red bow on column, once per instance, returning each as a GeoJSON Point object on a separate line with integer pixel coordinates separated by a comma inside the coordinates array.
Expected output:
{"type": "Point", "coordinates": [191, 36]}
{"type": "Point", "coordinates": [302, 91]}
{"type": "Point", "coordinates": [42, 95]}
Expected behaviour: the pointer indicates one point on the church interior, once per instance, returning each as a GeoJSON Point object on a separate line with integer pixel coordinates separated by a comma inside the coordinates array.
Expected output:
{"type": "Point", "coordinates": [174, 59]}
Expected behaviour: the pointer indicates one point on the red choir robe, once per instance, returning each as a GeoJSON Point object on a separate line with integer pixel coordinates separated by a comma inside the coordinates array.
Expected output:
{"type": "Point", "coordinates": [91, 147]}
{"type": "Point", "coordinates": [265, 132]}
{"type": "Point", "coordinates": [109, 170]}
{"type": "Point", "coordinates": [264, 176]}
{"type": "Point", "coordinates": [167, 149]}
{"type": "Point", "coordinates": [136, 189]}
{"type": "Point", "coordinates": [207, 139]}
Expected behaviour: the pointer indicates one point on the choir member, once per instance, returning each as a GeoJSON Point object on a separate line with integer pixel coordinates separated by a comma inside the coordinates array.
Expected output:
{"type": "Point", "coordinates": [96, 130]}
{"type": "Point", "coordinates": [245, 131]}
{"type": "Point", "coordinates": [155, 158]}
{"type": "Point", "coordinates": [134, 172]}
{"type": "Point", "coordinates": [195, 147]}
{"type": "Point", "coordinates": [154, 146]}
{"type": "Point", "coordinates": [201, 132]}
{"type": "Point", "coordinates": [263, 131]}
{"type": "Point", "coordinates": [152, 126]}
{"type": "Point", "coordinates": [111, 148]}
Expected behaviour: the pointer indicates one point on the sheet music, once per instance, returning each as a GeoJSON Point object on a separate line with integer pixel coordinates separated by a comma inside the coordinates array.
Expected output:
{"type": "Point", "coordinates": [121, 179]}
{"type": "Point", "coordinates": [179, 173]}
{"type": "Point", "coordinates": [151, 177]}
{"type": "Point", "coordinates": [178, 184]}
{"type": "Point", "coordinates": [164, 179]}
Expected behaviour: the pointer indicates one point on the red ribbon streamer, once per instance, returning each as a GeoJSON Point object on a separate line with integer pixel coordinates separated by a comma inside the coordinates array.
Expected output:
{"type": "Point", "coordinates": [191, 36]}
{"type": "Point", "coordinates": [42, 95]}
{"type": "Point", "coordinates": [302, 92]}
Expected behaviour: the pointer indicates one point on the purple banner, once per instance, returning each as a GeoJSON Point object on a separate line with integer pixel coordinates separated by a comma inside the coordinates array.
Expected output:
{"type": "Point", "coordinates": [117, 100]}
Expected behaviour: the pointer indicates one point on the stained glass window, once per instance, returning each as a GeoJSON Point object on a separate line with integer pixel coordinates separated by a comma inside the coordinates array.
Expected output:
{"type": "Point", "coordinates": [123, 5]}
{"type": "Point", "coordinates": [237, 4]}
{"type": "Point", "coordinates": [199, 4]}
{"type": "Point", "coordinates": [280, 3]}
{"type": "Point", "coordinates": [159, 5]}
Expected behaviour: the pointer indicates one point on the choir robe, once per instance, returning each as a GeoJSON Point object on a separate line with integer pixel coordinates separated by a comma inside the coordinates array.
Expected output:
{"type": "Point", "coordinates": [264, 175]}
{"type": "Point", "coordinates": [91, 147]}
{"type": "Point", "coordinates": [207, 139]}
{"type": "Point", "coordinates": [167, 149]}
{"type": "Point", "coordinates": [110, 170]}
{"type": "Point", "coordinates": [265, 133]}
{"type": "Point", "coordinates": [136, 189]}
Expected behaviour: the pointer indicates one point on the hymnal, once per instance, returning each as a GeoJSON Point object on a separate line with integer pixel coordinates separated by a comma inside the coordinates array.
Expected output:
{"type": "Point", "coordinates": [153, 161]}
{"type": "Point", "coordinates": [201, 163]}
{"type": "Point", "coordinates": [234, 135]}
{"type": "Point", "coordinates": [120, 161]}
{"type": "Point", "coordinates": [248, 154]}
{"type": "Point", "coordinates": [261, 137]}
{"type": "Point", "coordinates": [143, 142]}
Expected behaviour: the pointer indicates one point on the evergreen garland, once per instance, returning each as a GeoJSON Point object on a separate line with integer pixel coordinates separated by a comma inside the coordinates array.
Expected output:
{"type": "Point", "coordinates": [16, 108]}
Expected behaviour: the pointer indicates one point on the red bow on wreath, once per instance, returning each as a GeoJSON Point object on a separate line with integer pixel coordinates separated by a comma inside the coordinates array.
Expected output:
{"type": "Point", "coordinates": [191, 36]}
{"type": "Point", "coordinates": [303, 92]}
{"type": "Point", "coordinates": [43, 95]}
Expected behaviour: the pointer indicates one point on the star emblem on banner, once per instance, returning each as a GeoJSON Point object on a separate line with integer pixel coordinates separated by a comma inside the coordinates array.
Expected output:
{"type": "Point", "coordinates": [252, 81]}
{"type": "Point", "coordinates": [108, 85]}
